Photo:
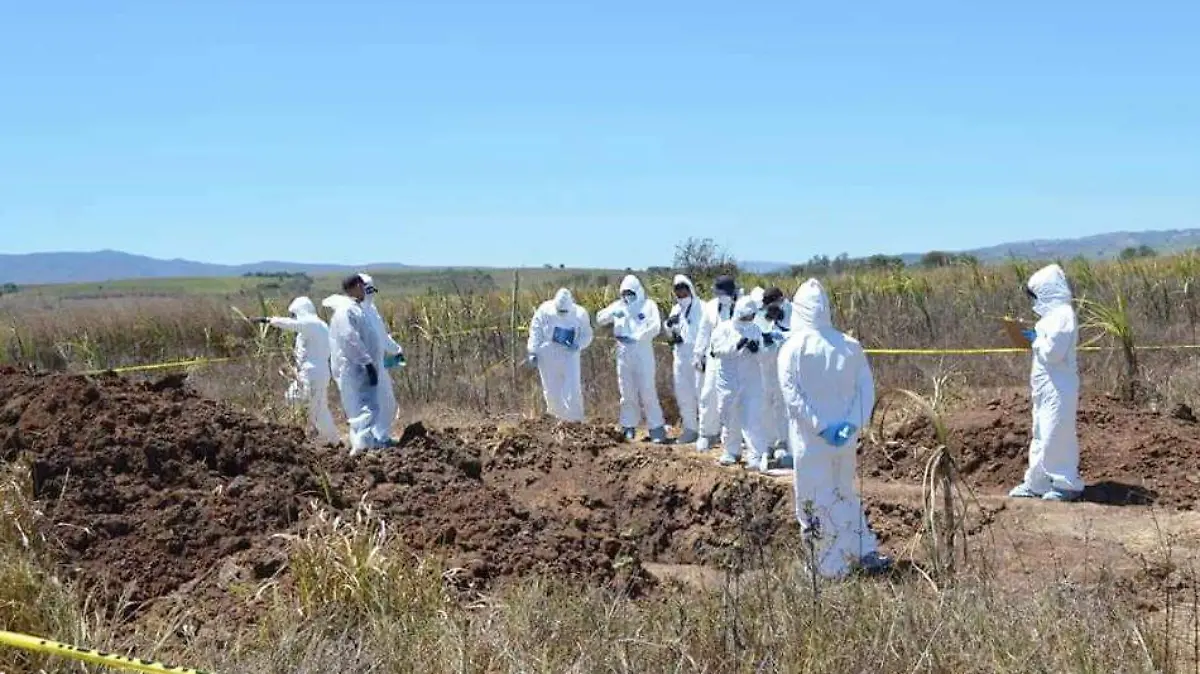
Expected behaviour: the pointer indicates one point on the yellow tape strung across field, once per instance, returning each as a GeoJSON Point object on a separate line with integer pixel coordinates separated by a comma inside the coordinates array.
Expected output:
{"type": "Point", "coordinates": [39, 645]}
{"type": "Point", "coordinates": [162, 366]}
{"type": "Point", "coordinates": [984, 351]}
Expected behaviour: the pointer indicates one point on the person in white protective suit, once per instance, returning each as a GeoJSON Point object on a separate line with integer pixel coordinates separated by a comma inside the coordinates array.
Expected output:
{"type": "Point", "coordinates": [351, 343]}
{"type": "Point", "coordinates": [738, 346]}
{"type": "Point", "coordinates": [682, 326]}
{"type": "Point", "coordinates": [1053, 472]}
{"type": "Point", "coordinates": [774, 319]}
{"type": "Point", "coordinates": [829, 394]}
{"type": "Point", "coordinates": [716, 310]}
{"type": "Point", "coordinates": [387, 354]}
{"type": "Point", "coordinates": [559, 331]}
{"type": "Point", "coordinates": [636, 322]}
{"type": "Point", "coordinates": [310, 384]}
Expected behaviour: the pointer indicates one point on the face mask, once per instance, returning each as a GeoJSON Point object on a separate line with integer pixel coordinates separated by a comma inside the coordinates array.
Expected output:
{"type": "Point", "coordinates": [684, 301]}
{"type": "Point", "coordinates": [628, 298]}
{"type": "Point", "coordinates": [724, 300]}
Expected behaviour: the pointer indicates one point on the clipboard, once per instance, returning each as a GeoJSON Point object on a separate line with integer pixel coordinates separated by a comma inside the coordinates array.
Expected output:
{"type": "Point", "coordinates": [1013, 328]}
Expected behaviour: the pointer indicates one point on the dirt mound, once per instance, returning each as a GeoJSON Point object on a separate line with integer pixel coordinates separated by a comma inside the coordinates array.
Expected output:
{"type": "Point", "coordinates": [153, 490]}
{"type": "Point", "coordinates": [1127, 456]}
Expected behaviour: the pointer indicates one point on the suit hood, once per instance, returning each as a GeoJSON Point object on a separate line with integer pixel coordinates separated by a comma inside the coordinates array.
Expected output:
{"type": "Point", "coordinates": [563, 300]}
{"type": "Point", "coordinates": [336, 302]}
{"type": "Point", "coordinates": [631, 282]}
{"type": "Point", "coordinates": [302, 306]}
{"type": "Point", "coordinates": [745, 307]}
{"type": "Point", "coordinates": [1050, 286]}
{"type": "Point", "coordinates": [810, 306]}
{"type": "Point", "coordinates": [680, 279]}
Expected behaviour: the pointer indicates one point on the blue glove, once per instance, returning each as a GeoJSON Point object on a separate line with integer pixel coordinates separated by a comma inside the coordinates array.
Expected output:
{"type": "Point", "coordinates": [1030, 335]}
{"type": "Point", "coordinates": [397, 360]}
{"type": "Point", "coordinates": [619, 313]}
{"type": "Point", "coordinates": [838, 434]}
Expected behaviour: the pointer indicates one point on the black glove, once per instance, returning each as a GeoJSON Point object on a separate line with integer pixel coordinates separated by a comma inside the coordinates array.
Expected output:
{"type": "Point", "coordinates": [372, 375]}
{"type": "Point", "coordinates": [768, 340]}
{"type": "Point", "coordinates": [260, 319]}
{"type": "Point", "coordinates": [675, 339]}
{"type": "Point", "coordinates": [673, 321]}
{"type": "Point", "coordinates": [742, 343]}
{"type": "Point", "coordinates": [753, 347]}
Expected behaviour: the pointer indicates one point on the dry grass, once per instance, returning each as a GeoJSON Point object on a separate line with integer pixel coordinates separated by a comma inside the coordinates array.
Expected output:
{"type": "Point", "coordinates": [360, 602]}
{"type": "Point", "coordinates": [461, 346]}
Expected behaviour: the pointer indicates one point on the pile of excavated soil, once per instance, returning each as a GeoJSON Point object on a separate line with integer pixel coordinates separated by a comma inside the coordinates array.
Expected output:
{"type": "Point", "coordinates": [154, 491]}
{"type": "Point", "coordinates": [1127, 455]}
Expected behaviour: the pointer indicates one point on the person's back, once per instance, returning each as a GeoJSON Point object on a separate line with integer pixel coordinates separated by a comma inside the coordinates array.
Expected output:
{"type": "Point", "coordinates": [820, 355]}
{"type": "Point", "coordinates": [348, 342]}
{"type": "Point", "coordinates": [829, 393]}
{"type": "Point", "coordinates": [357, 377]}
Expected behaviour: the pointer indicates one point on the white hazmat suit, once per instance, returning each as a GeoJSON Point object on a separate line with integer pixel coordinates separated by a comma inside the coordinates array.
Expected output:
{"type": "Point", "coordinates": [383, 346]}
{"type": "Point", "coordinates": [737, 345]}
{"type": "Point", "coordinates": [1053, 472]}
{"type": "Point", "coordinates": [351, 343]}
{"type": "Point", "coordinates": [635, 325]}
{"type": "Point", "coordinates": [683, 325]}
{"type": "Point", "coordinates": [775, 424]}
{"type": "Point", "coordinates": [827, 384]}
{"type": "Point", "coordinates": [559, 331]}
{"type": "Point", "coordinates": [311, 383]}
{"type": "Point", "coordinates": [716, 311]}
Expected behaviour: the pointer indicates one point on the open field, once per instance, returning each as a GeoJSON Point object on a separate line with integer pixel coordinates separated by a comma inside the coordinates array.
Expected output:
{"type": "Point", "coordinates": [190, 520]}
{"type": "Point", "coordinates": [409, 281]}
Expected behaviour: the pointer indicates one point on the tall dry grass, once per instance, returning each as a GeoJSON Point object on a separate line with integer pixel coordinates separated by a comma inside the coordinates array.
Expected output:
{"type": "Point", "coordinates": [360, 601]}
{"type": "Point", "coordinates": [461, 346]}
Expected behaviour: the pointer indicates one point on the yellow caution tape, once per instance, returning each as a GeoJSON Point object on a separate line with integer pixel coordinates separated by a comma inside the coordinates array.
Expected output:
{"type": "Point", "coordinates": [1010, 350]}
{"type": "Point", "coordinates": [39, 645]}
{"type": "Point", "coordinates": [998, 351]}
{"type": "Point", "coordinates": [160, 366]}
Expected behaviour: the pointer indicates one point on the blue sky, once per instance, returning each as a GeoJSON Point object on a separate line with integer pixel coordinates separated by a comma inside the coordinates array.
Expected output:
{"type": "Point", "coordinates": [590, 133]}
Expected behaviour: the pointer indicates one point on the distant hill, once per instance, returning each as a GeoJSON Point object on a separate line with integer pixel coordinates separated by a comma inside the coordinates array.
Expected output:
{"type": "Point", "coordinates": [110, 265]}
{"type": "Point", "coordinates": [1097, 247]}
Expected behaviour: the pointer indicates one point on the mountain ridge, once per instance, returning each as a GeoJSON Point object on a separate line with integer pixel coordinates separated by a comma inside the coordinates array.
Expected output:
{"type": "Point", "coordinates": [111, 265]}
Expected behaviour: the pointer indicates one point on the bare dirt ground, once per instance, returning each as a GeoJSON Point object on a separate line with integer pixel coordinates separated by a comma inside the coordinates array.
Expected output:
{"type": "Point", "coordinates": [154, 493]}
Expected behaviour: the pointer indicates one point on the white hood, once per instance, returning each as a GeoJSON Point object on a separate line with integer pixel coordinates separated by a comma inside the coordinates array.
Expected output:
{"type": "Point", "coordinates": [810, 307]}
{"type": "Point", "coordinates": [1050, 285]}
{"type": "Point", "coordinates": [302, 306]}
{"type": "Point", "coordinates": [563, 300]}
{"type": "Point", "coordinates": [336, 302]}
{"type": "Point", "coordinates": [631, 282]}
